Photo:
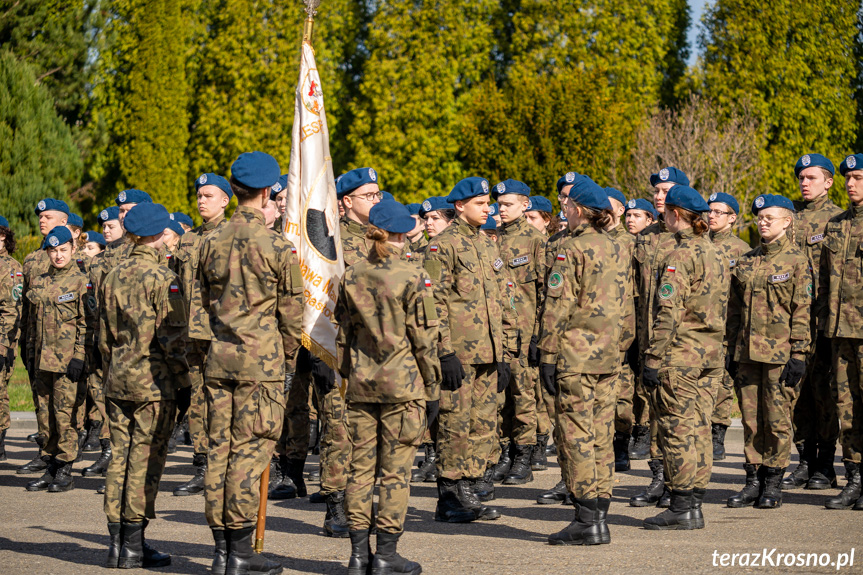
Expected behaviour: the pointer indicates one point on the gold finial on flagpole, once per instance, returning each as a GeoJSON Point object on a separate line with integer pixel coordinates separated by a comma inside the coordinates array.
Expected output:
{"type": "Point", "coordinates": [311, 10]}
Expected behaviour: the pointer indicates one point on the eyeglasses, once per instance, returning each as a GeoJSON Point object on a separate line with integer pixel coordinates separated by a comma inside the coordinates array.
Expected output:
{"type": "Point", "coordinates": [720, 213]}
{"type": "Point", "coordinates": [769, 219]}
{"type": "Point", "coordinates": [369, 197]}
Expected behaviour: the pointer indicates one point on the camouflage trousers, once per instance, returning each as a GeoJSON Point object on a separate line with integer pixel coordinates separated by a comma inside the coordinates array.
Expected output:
{"type": "Point", "coordinates": [765, 405]}
{"type": "Point", "coordinates": [544, 409]}
{"type": "Point", "coordinates": [96, 391]}
{"type": "Point", "coordinates": [80, 414]}
{"type": "Point", "coordinates": [585, 420]}
{"type": "Point", "coordinates": [198, 399]}
{"type": "Point", "coordinates": [294, 443]}
{"type": "Point", "coordinates": [467, 424]}
{"type": "Point", "coordinates": [335, 443]}
{"type": "Point", "coordinates": [517, 405]}
{"type": "Point", "coordinates": [623, 416]}
{"type": "Point", "coordinates": [245, 421]}
{"type": "Point", "coordinates": [684, 403]}
{"type": "Point", "coordinates": [848, 389]}
{"type": "Point", "coordinates": [814, 415]}
{"type": "Point", "coordinates": [139, 442]}
{"type": "Point", "coordinates": [5, 417]}
{"type": "Point", "coordinates": [58, 397]}
{"type": "Point", "coordinates": [384, 436]}
{"type": "Point", "coordinates": [724, 401]}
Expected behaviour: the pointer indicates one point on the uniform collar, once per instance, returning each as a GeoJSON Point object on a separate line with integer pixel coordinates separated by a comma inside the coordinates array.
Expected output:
{"type": "Point", "coordinates": [64, 270]}
{"type": "Point", "coordinates": [146, 253]}
{"type": "Point", "coordinates": [857, 211]}
{"type": "Point", "coordinates": [661, 222]}
{"type": "Point", "coordinates": [719, 236]}
{"type": "Point", "coordinates": [354, 227]}
{"type": "Point", "coordinates": [584, 229]}
{"type": "Point", "coordinates": [775, 247]}
{"type": "Point", "coordinates": [465, 228]}
{"type": "Point", "coordinates": [816, 204]}
{"type": "Point", "coordinates": [248, 214]}
{"type": "Point", "coordinates": [617, 231]}
{"type": "Point", "coordinates": [207, 226]}
{"type": "Point", "coordinates": [512, 227]}
{"type": "Point", "coordinates": [685, 233]}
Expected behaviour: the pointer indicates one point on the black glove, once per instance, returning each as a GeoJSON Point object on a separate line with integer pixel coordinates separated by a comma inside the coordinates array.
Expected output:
{"type": "Point", "coordinates": [304, 361]}
{"type": "Point", "coordinates": [533, 352]}
{"type": "Point", "coordinates": [650, 378]}
{"type": "Point", "coordinates": [731, 366]}
{"type": "Point", "coordinates": [632, 358]}
{"type": "Point", "coordinates": [793, 372]}
{"type": "Point", "coordinates": [504, 375]}
{"type": "Point", "coordinates": [323, 376]}
{"type": "Point", "coordinates": [548, 373]}
{"type": "Point", "coordinates": [452, 372]}
{"type": "Point", "coordinates": [75, 369]}
{"type": "Point", "coordinates": [432, 409]}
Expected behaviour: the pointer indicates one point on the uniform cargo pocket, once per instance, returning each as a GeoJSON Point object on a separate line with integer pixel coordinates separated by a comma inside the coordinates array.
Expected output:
{"type": "Point", "coordinates": [271, 411]}
{"type": "Point", "coordinates": [68, 311]}
{"type": "Point", "coordinates": [413, 423]}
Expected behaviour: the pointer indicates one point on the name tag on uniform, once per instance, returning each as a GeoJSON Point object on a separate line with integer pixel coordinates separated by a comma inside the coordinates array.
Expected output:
{"type": "Point", "coordinates": [519, 261]}
{"type": "Point", "coordinates": [774, 279]}
{"type": "Point", "coordinates": [66, 297]}
{"type": "Point", "coordinates": [498, 263]}
{"type": "Point", "coordinates": [816, 239]}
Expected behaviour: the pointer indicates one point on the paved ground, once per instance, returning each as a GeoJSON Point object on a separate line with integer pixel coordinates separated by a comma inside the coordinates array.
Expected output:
{"type": "Point", "coordinates": [51, 533]}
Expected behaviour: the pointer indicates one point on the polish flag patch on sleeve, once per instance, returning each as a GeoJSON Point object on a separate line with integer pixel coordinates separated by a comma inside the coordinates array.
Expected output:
{"type": "Point", "coordinates": [561, 257]}
{"type": "Point", "coordinates": [174, 289]}
{"type": "Point", "coordinates": [89, 285]}
{"type": "Point", "coordinates": [428, 283]}
{"type": "Point", "coordinates": [671, 269]}
{"type": "Point", "coordinates": [432, 248]}
{"type": "Point", "coordinates": [293, 250]}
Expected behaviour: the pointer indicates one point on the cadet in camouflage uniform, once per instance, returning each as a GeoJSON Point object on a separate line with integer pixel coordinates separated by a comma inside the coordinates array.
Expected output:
{"type": "Point", "coordinates": [464, 267]}
{"type": "Point", "coordinates": [11, 279]}
{"type": "Point", "coordinates": [579, 341]}
{"type": "Point", "coordinates": [839, 312]}
{"type": "Point", "coordinates": [815, 420]}
{"type": "Point", "coordinates": [57, 333]}
{"type": "Point", "coordinates": [416, 242]}
{"type": "Point", "coordinates": [255, 312]}
{"type": "Point", "coordinates": [768, 341]}
{"type": "Point", "coordinates": [213, 192]}
{"type": "Point", "coordinates": [683, 361]}
{"type": "Point", "coordinates": [724, 210]}
{"type": "Point", "coordinates": [387, 347]}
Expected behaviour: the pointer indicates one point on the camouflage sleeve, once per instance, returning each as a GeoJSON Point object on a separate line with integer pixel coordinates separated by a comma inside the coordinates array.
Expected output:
{"type": "Point", "coordinates": [30, 344]}
{"type": "Point", "coordinates": [832, 245]}
{"type": "Point", "coordinates": [345, 332]}
{"type": "Point", "coordinates": [201, 278]}
{"type": "Point", "coordinates": [289, 308]}
{"type": "Point", "coordinates": [82, 323]}
{"type": "Point", "coordinates": [541, 271]}
{"type": "Point", "coordinates": [801, 302]}
{"type": "Point", "coordinates": [106, 342]}
{"type": "Point", "coordinates": [627, 320]}
{"type": "Point", "coordinates": [735, 315]}
{"type": "Point", "coordinates": [440, 265]}
{"type": "Point", "coordinates": [171, 323]}
{"type": "Point", "coordinates": [422, 331]}
{"type": "Point", "coordinates": [8, 308]}
{"type": "Point", "coordinates": [673, 290]}
{"type": "Point", "coordinates": [561, 294]}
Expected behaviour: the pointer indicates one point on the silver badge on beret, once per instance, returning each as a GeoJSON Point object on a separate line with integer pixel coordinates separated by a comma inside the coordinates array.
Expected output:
{"type": "Point", "coordinates": [484, 185]}
{"type": "Point", "coordinates": [501, 188]}
{"type": "Point", "coordinates": [41, 205]}
{"type": "Point", "coordinates": [372, 175]}
{"type": "Point", "coordinates": [203, 179]}
{"type": "Point", "coordinates": [759, 202]}
{"type": "Point", "coordinates": [277, 187]}
{"type": "Point", "coordinates": [529, 204]}
{"type": "Point", "coordinates": [851, 162]}
{"type": "Point", "coordinates": [427, 206]}
{"type": "Point", "coordinates": [171, 216]}
{"type": "Point", "coordinates": [806, 160]}
{"type": "Point", "coordinates": [570, 177]}
{"type": "Point", "coordinates": [663, 174]}
{"type": "Point", "coordinates": [103, 215]}
{"type": "Point", "coordinates": [712, 198]}
{"type": "Point", "coordinates": [122, 196]}
{"type": "Point", "coordinates": [631, 204]}
{"type": "Point", "coordinates": [53, 241]}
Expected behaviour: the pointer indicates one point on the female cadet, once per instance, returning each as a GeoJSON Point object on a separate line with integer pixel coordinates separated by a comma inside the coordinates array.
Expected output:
{"type": "Point", "coordinates": [768, 339]}
{"type": "Point", "coordinates": [539, 214]}
{"type": "Point", "coordinates": [639, 214]}
{"type": "Point", "coordinates": [141, 340]}
{"type": "Point", "coordinates": [388, 355]}
{"type": "Point", "coordinates": [578, 345]}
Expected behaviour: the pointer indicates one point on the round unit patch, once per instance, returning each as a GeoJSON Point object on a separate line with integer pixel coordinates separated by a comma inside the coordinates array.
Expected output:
{"type": "Point", "coordinates": [806, 160]}
{"type": "Point", "coordinates": [53, 241]}
{"type": "Point", "coordinates": [122, 197]}
{"type": "Point", "coordinates": [501, 188]}
{"type": "Point", "coordinates": [91, 302]}
{"type": "Point", "coordinates": [103, 215]}
{"type": "Point", "coordinates": [372, 175]}
{"type": "Point", "coordinates": [570, 177]}
{"type": "Point", "coordinates": [663, 174]}
{"type": "Point", "coordinates": [203, 179]}
{"type": "Point", "coordinates": [555, 280]}
{"type": "Point", "coordinates": [712, 198]}
{"type": "Point", "coordinates": [759, 202]}
{"type": "Point", "coordinates": [41, 205]}
{"type": "Point", "coordinates": [851, 162]}
{"type": "Point", "coordinates": [16, 292]}
{"type": "Point", "coordinates": [631, 204]}
{"type": "Point", "coordinates": [666, 291]}
{"type": "Point", "coordinates": [484, 185]}
{"type": "Point", "coordinates": [427, 206]}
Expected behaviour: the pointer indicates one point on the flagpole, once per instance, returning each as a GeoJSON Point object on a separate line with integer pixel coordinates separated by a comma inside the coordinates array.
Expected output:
{"type": "Point", "coordinates": [311, 10]}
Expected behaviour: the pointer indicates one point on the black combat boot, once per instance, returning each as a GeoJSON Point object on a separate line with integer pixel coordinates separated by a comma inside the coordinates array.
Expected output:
{"type": "Point", "coordinates": [449, 508]}
{"type": "Point", "coordinates": [640, 448]}
{"type": "Point", "coordinates": [36, 465]}
{"type": "Point", "coordinates": [800, 476]}
{"type": "Point", "coordinates": [314, 437]}
{"type": "Point", "coordinates": [47, 478]}
{"type": "Point", "coordinates": [751, 491]}
{"type": "Point", "coordinates": [656, 488]}
{"type": "Point", "coordinates": [294, 471]}
{"type": "Point", "coordinates": [602, 506]}
{"type": "Point", "coordinates": [621, 451]}
{"type": "Point", "coordinates": [35, 437]}
{"type": "Point", "coordinates": [335, 522]}
{"type": "Point", "coordinates": [556, 494]}
{"type": "Point", "coordinates": [501, 468]}
{"type": "Point", "coordinates": [82, 438]}
{"type": "Point", "coordinates": [3, 445]}
{"type": "Point", "coordinates": [718, 431]}
{"type": "Point", "coordinates": [469, 500]}
{"type": "Point", "coordinates": [538, 458]}
{"type": "Point", "coordinates": [664, 499]}
{"type": "Point", "coordinates": [585, 529]}
{"type": "Point", "coordinates": [551, 449]}
{"type": "Point", "coordinates": [851, 492]}
{"type": "Point", "coordinates": [242, 559]}
{"type": "Point", "coordinates": [100, 466]}
{"type": "Point", "coordinates": [771, 494]}
{"type": "Point", "coordinates": [824, 476]}
{"type": "Point", "coordinates": [114, 532]}
{"type": "Point", "coordinates": [131, 548]}
{"type": "Point", "coordinates": [220, 553]}
{"type": "Point", "coordinates": [152, 558]}
{"type": "Point", "coordinates": [196, 484]}
{"type": "Point", "coordinates": [285, 487]}
{"type": "Point", "coordinates": [679, 516]}
{"type": "Point", "coordinates": [427, 470]}
{"type": "Point", "coordinates": [519, 472]}
{"type": "Point", "coordinates": [386, 561]}
{"type": "Point", "coordinates": [92, 442]}
{"type": "Point", "coordinates": [361, 553]}
{"type": "Point", "coordinates": [101, 489]}
{"type": "Point", "coordinates": [698, 494]}
{"type": "Point", "coordinates": [276, 474]}
{"type": "Point", "coordinates": [484, 488]}
{"type": "Point", "coordinates": [63, 478]}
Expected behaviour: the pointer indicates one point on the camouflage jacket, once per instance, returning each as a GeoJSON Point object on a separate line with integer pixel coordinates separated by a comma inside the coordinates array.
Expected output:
{"type": "Point", "coordinates": [690, 306]}
{"type": "Point", "coordinates": [57, 333]}
{"type": "Point", "coordinates": [581, 325]}
{"type": "Point", "coordinates": [252, 288]}
{"type": "Point", "coordinates": [35, 264]}
{"type": "Point", "coordinates": [465, 268]}
{"type": "Point", "coordinates": [83, 261]}
{"type": "Point", "coordinates": [626, 241]}
{"type": "Point", "coordinates": [810, 226]}
{"type": "Point", "coordinates": [651, 246]}
{"type": "Point", "coordinates": [418, 245]}
{"type": "Point", "coordinates": [11, 286]}
{"type": "Point", "coordinates": [839, 307]}
{"type": "Point", "coordinates": [388, 331]}
{"type": "Point", "coordinates": [115, 253]}
{"type": "Point", "coordinates": [729, 247]}
{"type": "Point", "coordinates": [355, 246]}
{"type": "Point", "coordinates": [185, 264]}
{"type": "Point", "coordinates": [768, 309]}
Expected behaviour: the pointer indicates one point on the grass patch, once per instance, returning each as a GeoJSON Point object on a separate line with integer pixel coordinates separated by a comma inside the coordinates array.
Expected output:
{"type": "Point", "coordinates": [20, 396]}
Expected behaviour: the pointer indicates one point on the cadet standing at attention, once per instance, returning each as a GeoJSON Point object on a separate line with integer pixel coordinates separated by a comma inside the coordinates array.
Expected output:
{"type": "Point", "coordinates": [255, 312]}
{"type": "Point", "coordinates": [387, 347]}
{"type": "Point", "coordinates": [11, 279]}
{"type": "Point", "coordinates": [143, 320]}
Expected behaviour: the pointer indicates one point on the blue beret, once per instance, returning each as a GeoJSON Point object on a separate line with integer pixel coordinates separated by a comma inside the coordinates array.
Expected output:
{"type": "Point", "coordinates": [510, 187]}
{"type": "Point", "coordinates": [490, 224]}
{"type": "Point", "coordinates": [813, 161]}
{"type": "Point", "coordinates": [75, 220]}
{"type": "Point", "coordinates": [414, 209]}
{"type": "Point", "coordinates": [50, 204]}
{"type": "Point", "coordinates": [468, 188]}
{"type": "Point", "coordinates": [434, 204]}
{"type": "Point", "coordinates": [57, 237]}
{"type": "Point", "coordinates": [175, 226]}
{"type": "Point", "coordinates": [850, 163]}
{"type": "Point", "coordinates": [133, 197]}
{"type": "Point", "coordinates": [387, 196]}
{"type": "Point", "coordinates": [392, 216]}
{"type": "Point", "coordinates": [256, 170]}
{"type": "Point", "coordinates": [182, 218]}
{"type": "Point", "coordinates": [147, 219]}
{"type": "Point", "coordinates": [771, 201]}
{"type": "Point", "coordinates": [4, 222]}
{"type": "Point", "coordinates": [278, 187]}
{"type": "Point", "coordinates": [686, 198]}
{"type": "Point", "coordinates": [350, 181]}
{"type": "Point", "coordinates": [95, 237]}
{"type": "Point", "coordinates": [494, 209]}
{"type": "Point", "coordinates": [209, 179]}
{"type": "Point", "coordinates": [562, 217]}
{"type": "Point", "coordinates": [642, 204]}
{"type": "Point", "coordinates": [723, 198]}
{"type": "Point", "coordinates": [108, 214]}
{"type": "Point", "coordinates": [566, 180]}
{"type": "Point", "coordinates": [614, 193]}
{"type": "Point", "coordinates": [587, 193]}
{"type": "Point", "coordinates": [669, 174]}
{"type": "Point", "coordinates": [540, 204]}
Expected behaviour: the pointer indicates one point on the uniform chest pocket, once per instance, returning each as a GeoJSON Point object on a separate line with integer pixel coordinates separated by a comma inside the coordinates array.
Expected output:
{"type": "Point", "coordinates": [640, 253]}
{"type": "Point", "coordinates": [780, 291]}
{"type": "Point", "coordinates": [521, 270]}
{"type": "Point", "coordinates": [467, 275]}
{"type": "Point", "coordinates": [68, 310]}
{"type": "Point", "coordinates": [832, 243]}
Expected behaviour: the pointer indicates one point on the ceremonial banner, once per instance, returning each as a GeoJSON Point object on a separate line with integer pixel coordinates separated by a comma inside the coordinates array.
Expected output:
{"type": "Point", "coordinates": [312, 215]}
